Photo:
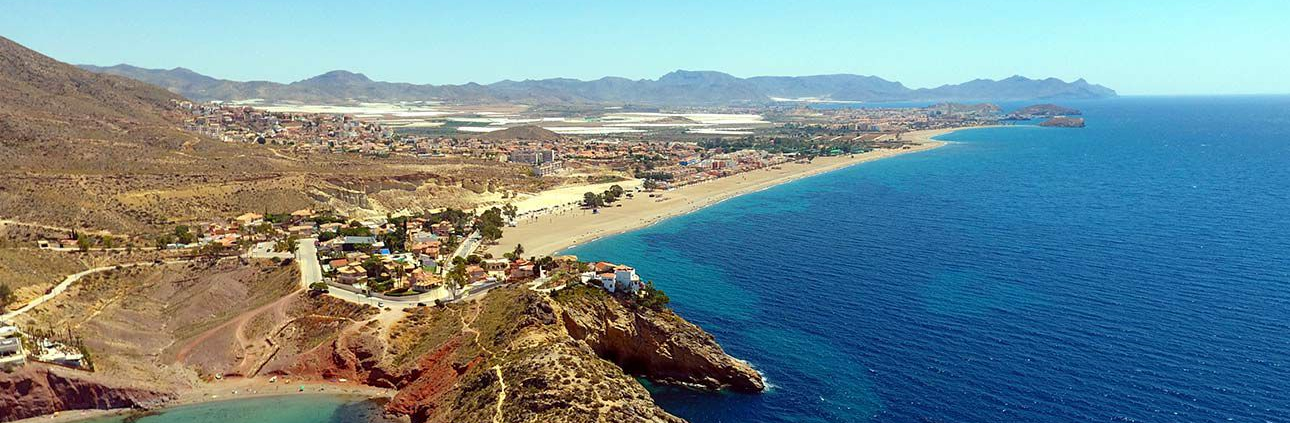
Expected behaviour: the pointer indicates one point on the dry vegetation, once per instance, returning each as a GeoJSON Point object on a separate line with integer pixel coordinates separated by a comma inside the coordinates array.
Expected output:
{"type": "Point", "coordinates": [136, 320]}
{"type": "Point", "coordinates": [105, 152]}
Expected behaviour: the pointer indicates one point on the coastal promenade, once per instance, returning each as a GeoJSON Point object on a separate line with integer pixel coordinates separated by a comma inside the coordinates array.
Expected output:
{"type": "Point", "coordinates": [553, 232]}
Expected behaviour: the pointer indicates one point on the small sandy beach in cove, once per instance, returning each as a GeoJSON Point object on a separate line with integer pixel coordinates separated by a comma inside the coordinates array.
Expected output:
{"type": "Point", "coordinates": [231, 390]}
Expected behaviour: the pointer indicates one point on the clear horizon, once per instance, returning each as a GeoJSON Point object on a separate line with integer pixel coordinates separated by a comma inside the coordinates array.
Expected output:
{"type": "Point", "coordinates": [1148, 48]}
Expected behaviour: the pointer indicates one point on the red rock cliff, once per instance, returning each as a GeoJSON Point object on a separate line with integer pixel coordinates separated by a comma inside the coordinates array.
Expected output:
{"type": "Point", "coordinates": [37, 390]}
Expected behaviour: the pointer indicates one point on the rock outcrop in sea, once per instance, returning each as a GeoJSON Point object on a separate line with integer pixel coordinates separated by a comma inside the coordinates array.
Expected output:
{"type": "Point", "coordinates": [521, 356]}
{"type": "Point", "coordinates": [656, 344]}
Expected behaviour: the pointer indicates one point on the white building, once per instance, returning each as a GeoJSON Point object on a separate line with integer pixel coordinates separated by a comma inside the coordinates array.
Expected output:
{"type": "Point", "coordinates": [625, 279]}
{"type": "Point", "coordinates": [11, 352]}
{"type": "Point", "coordinates": [621, 278]}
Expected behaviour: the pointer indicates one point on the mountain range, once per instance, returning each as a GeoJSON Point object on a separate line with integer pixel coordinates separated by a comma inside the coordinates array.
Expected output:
{"type": "Point", "coordinates": [678, 88]}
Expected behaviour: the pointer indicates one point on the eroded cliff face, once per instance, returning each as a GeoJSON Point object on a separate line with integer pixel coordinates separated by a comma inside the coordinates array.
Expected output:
{"type": "Point", "coordinates": [513, 356]}
{"type": "Point", "coordinates": [505, 358]}
{"type": "Point", "coordinates": [36, 390]}
{"type": "Point", "coordinates": [656, 344]}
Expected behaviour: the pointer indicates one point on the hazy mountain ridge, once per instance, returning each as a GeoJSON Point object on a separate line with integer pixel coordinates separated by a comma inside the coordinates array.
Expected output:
{"type": "Point", "coordinates": [679, 87]}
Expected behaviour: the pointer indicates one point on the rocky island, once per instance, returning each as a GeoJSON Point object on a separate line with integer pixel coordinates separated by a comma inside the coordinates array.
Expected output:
{"type": "Point", "coordinates": [1063, 122]}
{"type": "Point", "coordinates": [1045, 110]}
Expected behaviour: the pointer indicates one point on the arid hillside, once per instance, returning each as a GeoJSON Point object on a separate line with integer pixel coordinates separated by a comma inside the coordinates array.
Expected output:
{"type": "Point", "coordinates": [93, 151]}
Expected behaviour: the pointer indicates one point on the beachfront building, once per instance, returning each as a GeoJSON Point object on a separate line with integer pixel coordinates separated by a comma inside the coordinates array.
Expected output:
{"type": "Point", "coordinates": [522, 269]}
{"type": "Point", "coordinates": [613, 278]}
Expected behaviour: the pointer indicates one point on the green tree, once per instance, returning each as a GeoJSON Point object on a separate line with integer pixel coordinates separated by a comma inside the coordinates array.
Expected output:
{"type": "Point", "coordinates": [592, 199]}
{"type": "Point", "coordinates": [374, 266]}
{"type": "Point", "coordinates": [83, 243]}
{"type": "Point", "coordinates": [163, 240]}
{"type": "Point", "coordinates": [518, 251]}
{"type": "Point", "coordinates": [653, 298]}
{"type": "Point", "coordinates": [262, 228]}
{"type": "Point", "coordinates": [510, 211]}
{"type": "Point", "coordinates": [490, 233]}
{"type": "Point", "coordinates": [545, 262]}
{"type": "Point", "coordinates": [397, 239]}
{"type": "Point", "coordinates": [456, 279]}
{"type": "Point", "coordinates": [184, 235]}
{"type": "Point", "coordinates": [6, 295]}
{"type": "Point", "coordinates": [286, 245]}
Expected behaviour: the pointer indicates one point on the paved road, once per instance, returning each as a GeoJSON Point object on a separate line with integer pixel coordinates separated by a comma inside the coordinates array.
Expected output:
{"type": "Point", "coordinates": [307, 259]}
{"type": "Point", "coordinates": [467, 245]}
{"type": "Point", "coordinates": [67, 282]}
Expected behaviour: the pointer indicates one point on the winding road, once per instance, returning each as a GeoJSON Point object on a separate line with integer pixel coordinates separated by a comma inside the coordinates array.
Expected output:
{"type": "Point", "coordinates": [67, 282]}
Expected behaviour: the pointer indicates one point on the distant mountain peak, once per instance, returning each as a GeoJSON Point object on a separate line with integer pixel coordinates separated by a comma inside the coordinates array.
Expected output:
{"type": "Point", "coordinates": [339, 77]}
{"type": "Point", "coordinates": [679, 88]}
{"type": "Point", "coordinates": [682, 75]}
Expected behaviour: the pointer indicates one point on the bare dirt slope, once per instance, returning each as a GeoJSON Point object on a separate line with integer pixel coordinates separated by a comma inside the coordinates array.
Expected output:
{"type": "Point", "coordinates": [134, 320]}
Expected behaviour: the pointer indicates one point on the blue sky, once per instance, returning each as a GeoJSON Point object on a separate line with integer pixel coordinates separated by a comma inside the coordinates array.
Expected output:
{"type": "Point", "coordinates": [1135, 47]}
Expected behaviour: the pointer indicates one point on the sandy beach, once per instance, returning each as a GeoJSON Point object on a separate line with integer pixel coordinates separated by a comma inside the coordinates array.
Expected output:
{"type": "Point", "coordinates": [232, 389]}
{"type": "Point", "coordinates": [552, 232]}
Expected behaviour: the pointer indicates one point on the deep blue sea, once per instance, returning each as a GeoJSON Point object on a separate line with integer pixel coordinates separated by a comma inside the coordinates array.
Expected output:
{"type": "Point", "coordinates": [1134, 270]}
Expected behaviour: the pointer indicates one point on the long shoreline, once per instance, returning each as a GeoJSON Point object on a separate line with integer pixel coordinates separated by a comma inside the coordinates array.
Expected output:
{"type": "Point", "coordinates": [555, 232]}
{"type": "Point", "coordinates": [545, 235]}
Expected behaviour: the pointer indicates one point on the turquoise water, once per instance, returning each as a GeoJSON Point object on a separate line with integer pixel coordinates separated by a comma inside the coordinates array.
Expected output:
{"type": "Point", "coordinates": [1133, 270]}
{"type": "Point", "coordinates": [304, 408]}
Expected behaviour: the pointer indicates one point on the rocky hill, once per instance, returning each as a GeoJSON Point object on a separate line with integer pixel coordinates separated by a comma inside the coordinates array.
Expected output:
{"type": "Point", "coordinates": [680, 87]}
{"type": "Point", "coordinates": [1064, 122]}
{"type": "Point", "coordinates": [521, 356]}
{"type": "Point", "coordinates": [62, 115]}
{"type": "Point", "coordinates": [95, 151]}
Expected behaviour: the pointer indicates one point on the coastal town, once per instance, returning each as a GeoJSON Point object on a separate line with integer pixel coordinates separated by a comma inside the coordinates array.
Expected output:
{"type": "Point", "coordinates": [630, 212]}
{"type": "Point", "coordinates": [671, 148]}
{"type": "Point", "coordinates": [430, 258]}
{"type": "Point", "coordinates": [416, 251]}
